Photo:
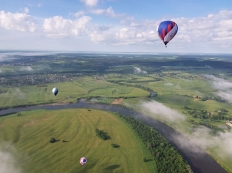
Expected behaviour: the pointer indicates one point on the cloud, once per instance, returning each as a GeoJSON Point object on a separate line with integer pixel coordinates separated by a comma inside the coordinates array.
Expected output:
{"type": "Point", "coordinates": [162, 111]}
{"type": "Point", "coordinates": [8, 164]}
{"type": "Point", "coordinates": [95, 37]}
{"type": "Point", "coordinates": [139, 71]}
{"type": "Point", "coordinates": [26, 68]}
{"type": "Point", "coordinates": [58, 27]}
{"type": "Point", "coordinates": [225, 95]}
{"type": "Point", "coordinates": [26, 10]}
{"type": "Point", "coordinates": [108, 12]}
{"type": "Point", "coordinates": [79, 13]}
{"type": "Point", "coordinates": [219, 83]}
{"type": "Point", "coordinates": [202, 136]}
{"type": "Point", "coordinates": [223, 87]}
{"type": "Point", "coordinates": [143, 32]}
{"type": "Point", "coordinates": [17, 21]}
{"type": "Point", "coordinates": [198, 32]}
{"type": "Point", "coordinates": [0, 70]}
{"type": "Point", "coordinates": [90, 2]}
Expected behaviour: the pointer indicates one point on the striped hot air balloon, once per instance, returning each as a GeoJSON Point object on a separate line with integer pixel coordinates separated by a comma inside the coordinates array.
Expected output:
{"type": "Point", "coordinates": [167, 30]}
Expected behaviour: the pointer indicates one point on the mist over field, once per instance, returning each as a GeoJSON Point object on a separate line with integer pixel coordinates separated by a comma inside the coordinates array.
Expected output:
{"type": "Point", "coordinates": [201, 135]}
{"type": "Point", "coordinates": [223, 87]}
{"type": "Point", "coordinates": [139, 71]}
{"type": "Point", "coordinates": [8, 164]}
{"type": "Point", "coordinates": [26, 68]}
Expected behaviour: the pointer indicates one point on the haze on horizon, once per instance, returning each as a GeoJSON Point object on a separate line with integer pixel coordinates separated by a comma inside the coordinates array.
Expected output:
{"type": "Point", "coordinates": [115, 25]}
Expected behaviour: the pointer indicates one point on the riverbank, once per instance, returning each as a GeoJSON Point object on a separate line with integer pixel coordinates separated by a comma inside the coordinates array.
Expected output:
{"type": "Point", "coordinates": [199, 160]}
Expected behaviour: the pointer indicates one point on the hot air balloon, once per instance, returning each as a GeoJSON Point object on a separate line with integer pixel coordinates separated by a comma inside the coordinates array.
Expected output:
{"type": "Point", "coordinates": [83, 161]}
{"type": "Point", "coordinates": [55, 91]}
{"type": "Point", "coordinates": [167, 30]}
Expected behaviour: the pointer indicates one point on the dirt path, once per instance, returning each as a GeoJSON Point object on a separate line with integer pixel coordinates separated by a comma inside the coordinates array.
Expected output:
{"type": "Point", "coordinates": [117, 101]}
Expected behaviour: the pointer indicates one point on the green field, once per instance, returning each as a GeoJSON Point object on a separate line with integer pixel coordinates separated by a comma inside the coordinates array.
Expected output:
{"type": "Point", "coordinates": [30, 134]}
{"type": "Point", "coordinates": [68, 92]}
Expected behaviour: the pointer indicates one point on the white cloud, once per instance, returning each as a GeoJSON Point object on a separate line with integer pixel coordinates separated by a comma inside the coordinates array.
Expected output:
{"type": "Point", "coordinates": [200, 135]}
{"type": "Point", "coordinates": [79, 13]}
{"type": "Point", "coordinates": [225, 95]}
{"type": "Point", "coordinates": [139, 71]}
{"type": "Point", "coordinates": [26, 10]}
{"type": "Point", "coordinates": [95, 37]}
{"type": "Point", "coordinates": [8, 164]}
{"type": "Point", "coordinates": [90, 2]}
{"type": "Point", "coordinates": [0, 70]}
{"type": "Point", "coordinates": [108, 12]}
{"type": "Point", "coordinates": [223, 87]}
{"type": "Point", "coordinates": [26, 68]}
{"type": "Point", "coordinates": [212, 32]}
{"type": "Point", "coordinates": [60, 27]}
{"type": "Point", "coordinates": [164, 112]}
{"type": "Point", "coordinates": [98, 11]}
{"type": "Point", "coordinates": [219, 83]}
{"type": "Point", "coordinates": [17, 21]}
{"type": "Point", "coordinates": [200, 30]}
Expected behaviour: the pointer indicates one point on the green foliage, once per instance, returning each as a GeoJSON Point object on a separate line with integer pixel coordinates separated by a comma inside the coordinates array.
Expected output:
{"type": "Point", "coordinates": [101, 134]}
{"type": "Point", "coordinates": [168, 159]}
{"type": "Point", "coordinates": [53, 140]}
{"type": "Point", "coordinates": [115, 145]}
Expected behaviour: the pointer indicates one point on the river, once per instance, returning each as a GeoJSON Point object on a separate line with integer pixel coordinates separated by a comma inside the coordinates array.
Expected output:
{"type": "Point", "coordinates": [198, 159]}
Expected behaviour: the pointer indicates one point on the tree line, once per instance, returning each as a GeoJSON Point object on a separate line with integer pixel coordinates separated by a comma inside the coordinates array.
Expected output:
{"type": "Point", "coordinates": [167, 158]}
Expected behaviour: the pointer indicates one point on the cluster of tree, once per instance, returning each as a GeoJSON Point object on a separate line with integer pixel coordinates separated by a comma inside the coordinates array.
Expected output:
{"type": "Point", "coordinates": [205, 98]}
{"type": "Point", "coordinates": [101, 134]}
{"type": "Point", "coordinates": [132, 85]}
{"type": "Point", "coordinates": [167, 158]}
{"type": "Point", "coordinates": [203, 114]}
{"type": "Point", "coordinates": [96, 97]}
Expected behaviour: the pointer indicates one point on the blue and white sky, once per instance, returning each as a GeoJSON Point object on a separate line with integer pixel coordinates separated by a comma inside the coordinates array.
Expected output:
{"type": "Point", "coordinates": [205, 26]}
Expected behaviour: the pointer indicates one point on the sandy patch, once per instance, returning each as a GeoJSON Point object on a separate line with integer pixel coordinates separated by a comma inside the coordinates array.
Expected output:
{"type": "Point", "coordinates": [117, 101]}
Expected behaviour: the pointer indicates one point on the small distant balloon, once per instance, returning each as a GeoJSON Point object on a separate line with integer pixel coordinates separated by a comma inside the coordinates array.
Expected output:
{"type": "Point", "coordinates": [83, 161]}
{"type": "Point", "coordinates": [167, 30]}
{"type": "Point", "coordinates": [55, 91]}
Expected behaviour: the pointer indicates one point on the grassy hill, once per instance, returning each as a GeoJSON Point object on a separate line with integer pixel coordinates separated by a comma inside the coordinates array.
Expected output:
{"type": "Point", "coordinates": [30, 133]}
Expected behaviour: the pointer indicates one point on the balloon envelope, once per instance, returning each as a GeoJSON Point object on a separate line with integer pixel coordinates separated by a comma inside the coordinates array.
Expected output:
{"type": "Point", "coordinates": [167, 30]}
{"type": "Point", "coordinates": [83, 160]}
{"type": "Point", "coordinates": [55, 91]}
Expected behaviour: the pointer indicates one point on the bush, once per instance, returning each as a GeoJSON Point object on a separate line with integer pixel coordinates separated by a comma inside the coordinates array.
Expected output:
{"type": "Point", "coordinates": [52, 140]}
{"type": "Point", "coordinates": [115, 145]}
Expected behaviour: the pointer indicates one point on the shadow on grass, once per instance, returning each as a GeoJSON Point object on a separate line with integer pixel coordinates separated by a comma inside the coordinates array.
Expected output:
{"type": "Point", "coordinates": [112, 167]}
{"type": "Point", "coordinates": [148, 160]}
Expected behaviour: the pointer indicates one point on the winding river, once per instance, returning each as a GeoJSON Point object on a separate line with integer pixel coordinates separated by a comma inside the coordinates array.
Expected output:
{"type": "Point", "coordinates": [198, 159]}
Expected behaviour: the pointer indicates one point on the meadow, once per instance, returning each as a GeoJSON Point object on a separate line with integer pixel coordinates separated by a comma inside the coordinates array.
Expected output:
{"type": "Point", "coordinates": [176, 79]}
{"type": "Point", "coordinates": [69, 91]}
{"type": "Point", "coordinates": [29, 135]}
